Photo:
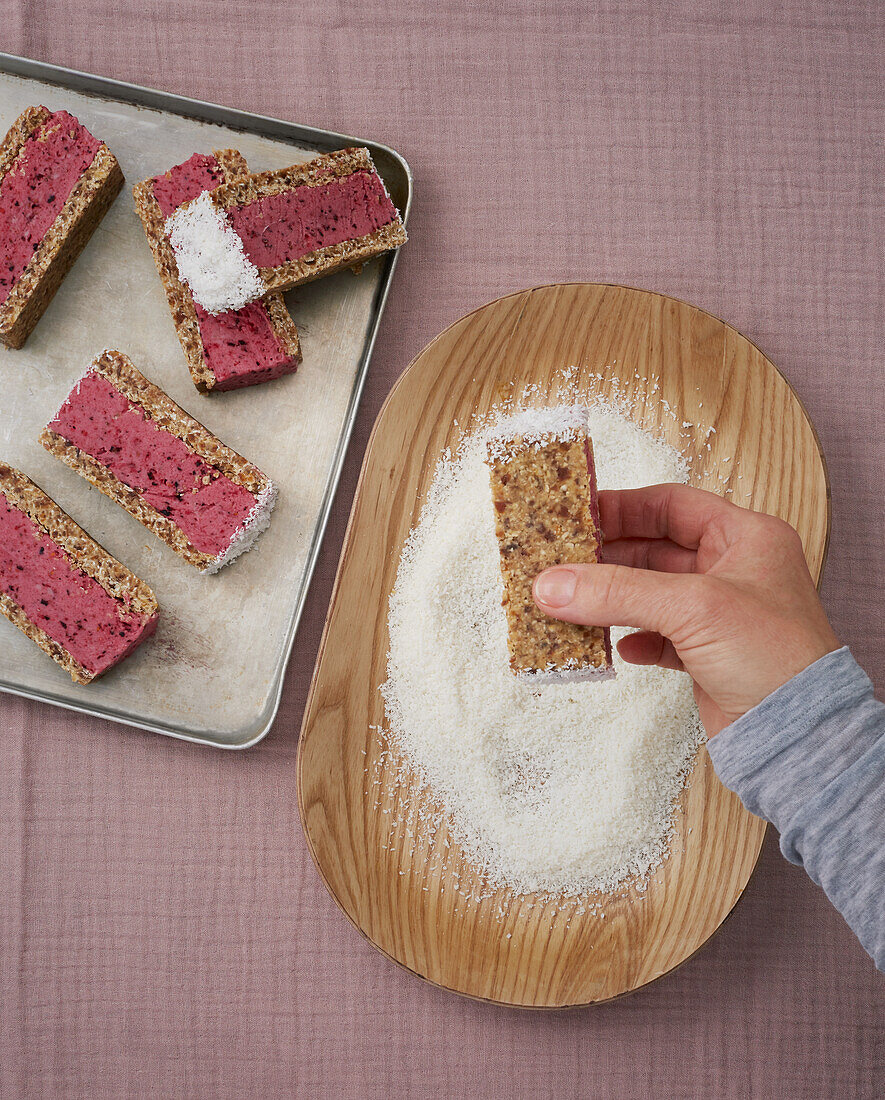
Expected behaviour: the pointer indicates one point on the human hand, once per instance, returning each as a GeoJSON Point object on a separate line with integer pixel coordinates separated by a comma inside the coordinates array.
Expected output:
{"type": "Point", "coordinates": [717, 591]}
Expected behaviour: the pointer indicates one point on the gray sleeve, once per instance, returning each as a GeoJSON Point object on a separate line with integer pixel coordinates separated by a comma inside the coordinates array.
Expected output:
{"type": "Point", "coordinates": [811, 760]}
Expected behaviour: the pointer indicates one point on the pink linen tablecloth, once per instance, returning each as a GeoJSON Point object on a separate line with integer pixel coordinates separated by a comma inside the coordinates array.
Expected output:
{"type": "Point", "coordinates": [163, 932]}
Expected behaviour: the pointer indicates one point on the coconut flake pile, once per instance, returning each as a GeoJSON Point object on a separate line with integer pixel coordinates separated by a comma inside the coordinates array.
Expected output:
{"type": "Point", "coordinates": [211, 258]}
{"type": "Point", "coordinates": [564, 789]}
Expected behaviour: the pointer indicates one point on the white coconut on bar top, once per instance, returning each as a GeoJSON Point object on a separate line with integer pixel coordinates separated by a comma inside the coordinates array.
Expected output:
{"type": "Point", "coordinates": [211, 258]}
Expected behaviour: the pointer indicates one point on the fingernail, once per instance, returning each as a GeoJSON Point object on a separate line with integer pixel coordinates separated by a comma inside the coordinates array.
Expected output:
{"type": "Point", "coordinates": [556, 587]}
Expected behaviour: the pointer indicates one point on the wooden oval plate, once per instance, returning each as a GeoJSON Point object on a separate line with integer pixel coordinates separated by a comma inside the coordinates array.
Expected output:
{"type": "Point", "coordinates": [401, 890]}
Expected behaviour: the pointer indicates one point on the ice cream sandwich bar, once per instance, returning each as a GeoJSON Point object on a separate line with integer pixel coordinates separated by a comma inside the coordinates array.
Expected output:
{"type": "Point", "coordinates": [545, 508]}
{"type": "Point", "coordinates": [227, 350]}
{"type": "Point", "coordinates": [276, 230]}
{"type": "Point", "coordinates": [63, 590]}
{"type": "Point", "coordinates": [127, 437]}
{"type": "Point", "coordinates": [57, 182]}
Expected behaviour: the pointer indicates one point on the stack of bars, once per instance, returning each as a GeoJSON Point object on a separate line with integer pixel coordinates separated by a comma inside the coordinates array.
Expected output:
{"type": "Point", "coordinates": [546, 513]}
{"type": "Point", "coordinates": [224, 351]}
{"type": "Point", "coordinates": [277, 230]}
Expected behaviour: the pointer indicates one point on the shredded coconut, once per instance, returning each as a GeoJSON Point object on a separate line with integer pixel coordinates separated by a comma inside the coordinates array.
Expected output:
{"type": "Point", "coordinates": [566, 789]}
{"type": "Point", "coordinates": [211, 258]}
{"type": "Point", "coordinates": [562, 422]}
{"type": "Point", "coordinates": [564, 675]}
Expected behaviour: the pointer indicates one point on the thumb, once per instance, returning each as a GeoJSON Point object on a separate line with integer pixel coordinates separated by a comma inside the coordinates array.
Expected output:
{"type": "Point", "coordinates": [616, 595]}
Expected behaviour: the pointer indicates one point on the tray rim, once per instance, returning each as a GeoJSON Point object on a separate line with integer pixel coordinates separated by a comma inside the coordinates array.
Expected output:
{"type": "Point", "coordinates": [299, 762]}
{"type": "Point", "coordinates": [265, 126]}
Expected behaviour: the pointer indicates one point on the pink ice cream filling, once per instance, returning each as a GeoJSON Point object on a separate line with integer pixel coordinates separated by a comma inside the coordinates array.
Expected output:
{"type": "Point", "coordinates": [280, 228]}
{"type": "Point", "coordinates": [208, 507]}
{"type": "Point", "coordinates": [185, 181]}
{"type": "Point", "coordinates": [239, 347]}
{"type": "Point", "coordinates": [96, 629]}
{"type": "Point", "coordinates": [35, 189]}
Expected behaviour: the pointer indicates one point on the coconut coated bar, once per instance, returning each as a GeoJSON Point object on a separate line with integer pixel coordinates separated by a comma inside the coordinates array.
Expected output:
{"type": "Point", "coordinates": [544, 499]}
{"type": "Point", "coordinates": [63, 590]}
{"type": "Point", "coordinates": [56, 184]}
{"type": "Point", "coordinates": [276, 230]}
{"type": "Point", "coordinates": [123, 433]}
{"type": "Point", "coordinates": [225, 351]}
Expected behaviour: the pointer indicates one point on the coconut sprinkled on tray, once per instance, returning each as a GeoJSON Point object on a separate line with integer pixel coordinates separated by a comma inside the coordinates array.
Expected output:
{"type": "Point", "coordinates": [566, 789]}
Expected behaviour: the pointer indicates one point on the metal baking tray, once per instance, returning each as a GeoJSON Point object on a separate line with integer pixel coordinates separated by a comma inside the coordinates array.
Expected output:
{"type": "Point", "coordinates": [213, 673]}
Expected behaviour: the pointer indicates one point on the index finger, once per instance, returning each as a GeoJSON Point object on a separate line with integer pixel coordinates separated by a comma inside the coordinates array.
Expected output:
{"type": "Point", "coordinates": [677, 512]}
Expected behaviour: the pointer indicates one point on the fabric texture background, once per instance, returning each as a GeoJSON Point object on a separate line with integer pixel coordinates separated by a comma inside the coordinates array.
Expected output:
{"type": "Point", "coordinates": [162, 929]}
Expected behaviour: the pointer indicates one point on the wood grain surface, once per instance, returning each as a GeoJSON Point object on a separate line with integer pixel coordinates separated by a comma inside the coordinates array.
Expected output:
{"type": "Point", "coordinates": [400, 889]}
